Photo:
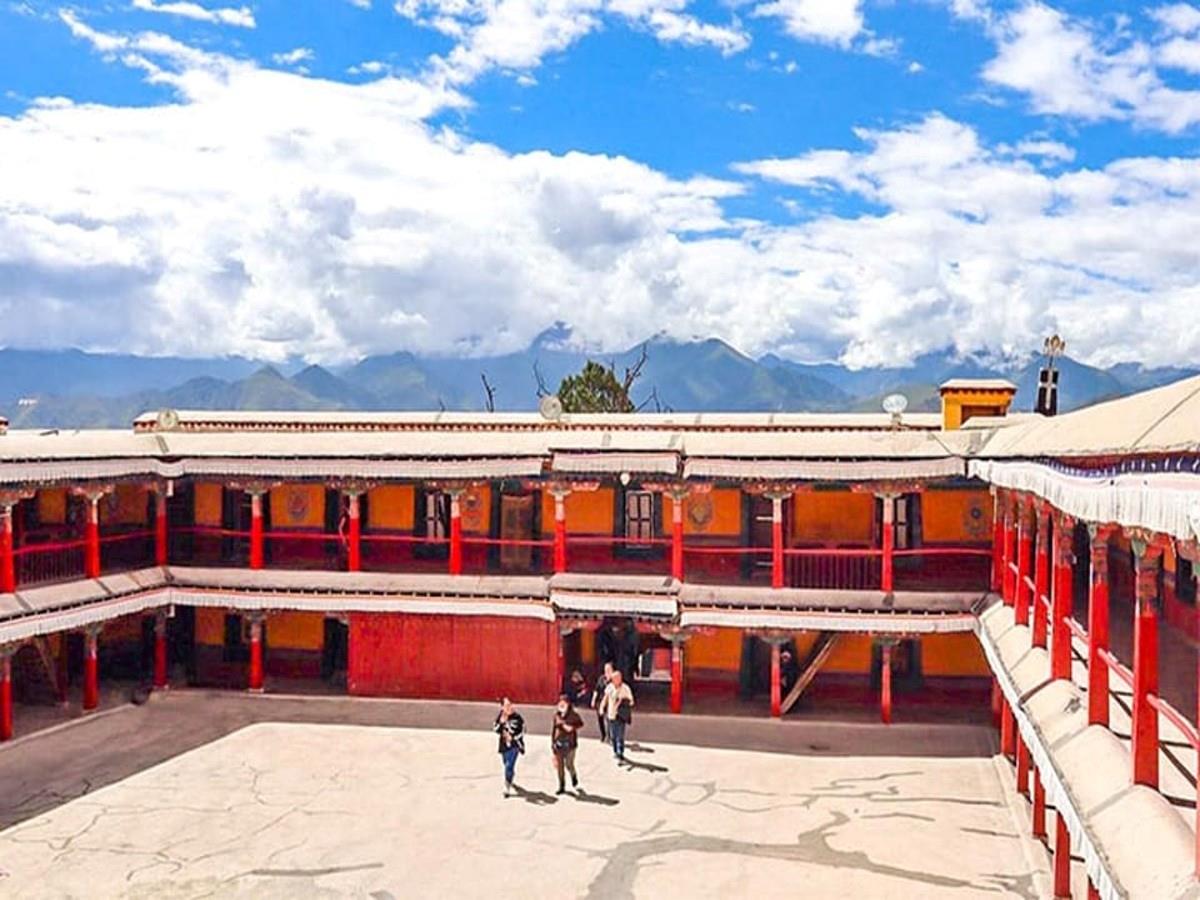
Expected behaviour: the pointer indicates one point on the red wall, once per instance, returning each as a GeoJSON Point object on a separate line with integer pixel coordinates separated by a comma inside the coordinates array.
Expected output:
{"type": "Point", "coordinates": [456, 657]}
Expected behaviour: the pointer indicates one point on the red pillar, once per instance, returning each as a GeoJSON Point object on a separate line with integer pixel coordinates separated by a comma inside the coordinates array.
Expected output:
{"type": "Point", "coordinates": [776, 541]}
{"type": "Point", "coordinates": [560, 531]}
{"type": "Point", "coordinates": [255, 678]}
{"type": "Point", "coordinates": [353, 533]}
{"type": "Point", "coordinates": [1024, 596]}
{"type": "Point", "coordinates": [1098, 629]}
{"type": "Point", "coordinates": [677, 536]}
{"type": "Point", "coordinates": [1062, 858]}
{"type": "Point", "coordinates": [1062, 606]}
{"type": "Point", "coordinates": [1145, 667]}
{"type": "Point", "coordinates": [996, 700]}
{"type": "Point", "coordinates": [776, 688]}
{"type": "Point", "coordinates": [1008, 727]}
{"type": "Point", "coordinates": [92, 536]}
{"type": "Point", "coordinates": [1023, 762]}
{"type": "Point", "coordinates": [456, 553]}
{"type": "Point", "coordinates": [6, 707]}
{"type": "Point", "coordinates": [91, 672]}
{"type": "Point", "coordinates": [887, 577]}
{"type": "Point", "coordinates": [1038, 823]}
{"type": "Point", "coordinates": [1010, 548]}
{"type": "Point", "coordinates": [998, 501]}
{"type": "Point", "coordinates": [1093, 891]}
{"type": "Point", "coordinates": [677, 676]}
{"type": "Point", "coordinates": [160, 527]}
{"type": "Point", "coordinates": [885, 693]}
{"type": "Point", "coordinates": [1041, 576]}
{"type": "Point", "coordinates": [160, 652]}
{"type": "Point", "coordinates": [8, 568]}
{"type": "Point", "coordinates": [256, 529]}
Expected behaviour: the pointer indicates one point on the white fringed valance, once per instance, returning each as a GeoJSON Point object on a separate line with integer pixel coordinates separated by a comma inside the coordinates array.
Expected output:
{"type": "Point", "coordinates": [1166, 502]}
{"type": "Point", "coordinates": [823, 621]}
{"type": "Point", "coordinates": [824, 470]}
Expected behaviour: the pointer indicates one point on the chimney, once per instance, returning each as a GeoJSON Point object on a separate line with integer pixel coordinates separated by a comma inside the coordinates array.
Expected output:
{"type": "Point", "coordinates": [969, 398]}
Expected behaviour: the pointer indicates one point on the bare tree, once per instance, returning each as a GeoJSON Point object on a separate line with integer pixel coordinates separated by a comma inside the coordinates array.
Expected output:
{"type": "Point", "coordinates": [542, 389]}
{"type": "Point", "coordinates": [490, 392]}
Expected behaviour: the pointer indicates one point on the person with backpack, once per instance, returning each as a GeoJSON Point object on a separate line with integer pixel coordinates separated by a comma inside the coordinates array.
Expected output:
{"type": "Point", "coordinates": [598, 696]}
{"type": "Point", "coordinates": [510, 726]}
{"type": "Point", "coordinates": [564, 740]}
{"type": "Point", "coordinates": [618, 709]}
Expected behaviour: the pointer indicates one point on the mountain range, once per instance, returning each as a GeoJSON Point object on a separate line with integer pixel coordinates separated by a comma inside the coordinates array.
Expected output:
{"type": "Point", "coordinates": [75, 389]}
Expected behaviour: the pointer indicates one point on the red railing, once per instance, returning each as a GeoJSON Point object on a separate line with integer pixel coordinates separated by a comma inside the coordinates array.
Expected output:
{"type": "Point", "coordinates": [127, 550]}
{"type": "Point", "coordinates": [49, 562]}
{"type": "Point", "coordinates": [834, 568]}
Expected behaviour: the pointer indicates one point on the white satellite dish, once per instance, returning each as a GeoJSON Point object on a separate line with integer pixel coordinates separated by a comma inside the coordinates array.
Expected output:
{"type": "Point", "coordinates": [166, 420]}
{"type": "Point", "coordinates": [895, 404]}
{"type": "Point", "coordinates": [550, 407]}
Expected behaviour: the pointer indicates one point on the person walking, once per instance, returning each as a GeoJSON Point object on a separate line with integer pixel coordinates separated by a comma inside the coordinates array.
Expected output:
{"type": "Point", "coordinates": [618, 709]}
{"type": "Point", "coordinates": [577, 690]}
{"type": "Point", "coordinates": [511, 727]}
{"type": "Point", "coordinates": [564, 740]}
{"type": "Point", "coordinates": [598, 697]}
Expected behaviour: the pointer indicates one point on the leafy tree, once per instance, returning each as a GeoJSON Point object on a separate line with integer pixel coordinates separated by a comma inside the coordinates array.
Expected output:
{"type": "Point", "coordinates": [596, 389]}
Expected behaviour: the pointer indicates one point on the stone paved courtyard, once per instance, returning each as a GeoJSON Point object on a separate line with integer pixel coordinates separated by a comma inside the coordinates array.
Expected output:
{"type": "Point", "coordinates": [294, 810]}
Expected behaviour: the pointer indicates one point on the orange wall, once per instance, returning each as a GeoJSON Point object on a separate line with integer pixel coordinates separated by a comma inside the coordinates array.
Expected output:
{"type": "Point", "coordinates": [296, 630]}
{"type": "Point", "coordinates": [127, 505]}
{"type": "Point", "coordinates": [588, 512]}
{"type": "Point", "coordinates": [210, 626]}
{"type": "Point", "coordinates": [717, 513]}
{"type": "Point", "coordinates": [52, 506]}
{"type": "Point", "coordinates": [207, 502]}
{"type": "Point", "coordinates": [956, 517]}
{"type": "Point", "coordinates": [952, 654]}
{"type": "Point", "coordinates": [826, 517]}
{"type": "Point", "coordinates": [476, 509]}
{"type": "Point", "coordinates": [391, 507]}
{"type": "Point", "coordinates": [720, 651]}
{"type": "Point", "coordinates": [298, 506]}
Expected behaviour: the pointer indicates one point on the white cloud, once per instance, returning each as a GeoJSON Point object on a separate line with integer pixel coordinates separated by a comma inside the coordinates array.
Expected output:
{"type": "Point", "coordinates": [836, 22]}
{"type": "Point", "coordinates": [1069, 68]}
{"type": "Point", "coordinates": [240, 16]}
{"type": "Point", "coordinates": [1177, 18]}
{"type": "Point", "coordinates": [294, 57]}
{"type": "Point", "coordinates": [267, 213]}
{"type": "Point", "coordinates": [518, 34]}
{"type": "Point", "coordinates": [915, 68]}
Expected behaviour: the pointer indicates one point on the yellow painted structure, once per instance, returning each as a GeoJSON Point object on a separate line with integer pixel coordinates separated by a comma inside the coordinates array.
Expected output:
{"type": "Point", "coordinates": [963, 399]}
{"type": "Point", "coordinates": [391, 507]}
{"type": "Point", "coordinates": [833, 517]}
{"type": "Point", "coordinates": [956, 517]}
{"type": "Point", "coordinates": [207, 501]}
{"type": "Point", "coordinates": [296, 630]}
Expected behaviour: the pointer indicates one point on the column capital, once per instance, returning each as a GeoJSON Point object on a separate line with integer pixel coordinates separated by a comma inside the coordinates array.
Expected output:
{"type": "Point", "coordinates": [772, 490]}
{"type": "Point", "coordinates": [881, 488]}
{"type": "Point", "coordinates": [94, 493]}
{"type": "Point", "coordinates": [8, 651]}
{"type": "Point", "coordinates": [352, 487]}
{"type": "Point", "coordinates": [253, 487]}
{"type": "Point", "coordinates": [773, 636]}
{"type": "Point", "coordinates": [10, 497]}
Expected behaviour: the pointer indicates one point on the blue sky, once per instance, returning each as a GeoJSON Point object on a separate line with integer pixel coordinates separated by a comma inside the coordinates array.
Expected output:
{"type": "Point", "coordinates": [818, 178]}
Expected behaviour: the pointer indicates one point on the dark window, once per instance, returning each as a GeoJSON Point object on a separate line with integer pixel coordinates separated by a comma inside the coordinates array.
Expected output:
{"type": "Point", "coordinates": [237, 641]}
{"type": "Point", "coordinates": [432, 520]}
{"type": "Point", "coordinates": [1185, 581]}
{"type": "Point", "coordinates": [639, 516]}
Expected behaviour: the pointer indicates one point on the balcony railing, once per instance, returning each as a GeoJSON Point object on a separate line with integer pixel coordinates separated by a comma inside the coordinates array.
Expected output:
{"type": "Point", "coordinates": [50, 561]}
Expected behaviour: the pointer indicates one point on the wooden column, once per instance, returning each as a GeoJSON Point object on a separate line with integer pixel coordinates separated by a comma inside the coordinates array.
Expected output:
{"type": "Point", "coordinates": [885, 683]}
{"type": "Point", "coordinates": [1062, 858]}
{"type": "Point", "coordinates": [998, 495]}
{"type": "Point", "coordinates": [160, 651]}
{"type": "Point", "coordinates": [776, 687]}
{"type": "Point", "coordinates": [456, 546]}
{"type": "Point", "coordinates": [1008, 728]}
{"type": "Point", "coordinates": [1023, 761]}
{"type": "Point", "coordinates": [888, 543]}
{"type": "Point", "coordinates": [6, 701]}
{"type": "Point", "coordinates": [776, 539]}
{"type": "Point", "coordinates": [677, 673]}
{"type": "Point", "coordinates": [1098, 626]}
{"type": "Point", "coordinates": [91, 669]}
{"type": "Point", "coordinates": [8, 567]}
{"type": "Point", "coordinates": [1010, 541]}
{"type": "Point", "coordinates": [1145, 664]}
{"type": "Point", "coordinates": [1038, 814]}
{"type": "Point", "coordinates": [92, 536]}
{"type": "Point", "coordinates": [560, 527]}
{"type": "Point", "coordinates": [256, 528]}
{"type": "Point", "coordinates": [1062, 603]}
{"type": "Point", "coordinates": [1041, 575]}
{"type": "Point", "coordinates": [254, 680]}
{"type": "Point", "coordinates": [1024, 593]}
{"type": "Point", "coordinates": [353, 531]}
{"type": "Point", "coordinates": [160, 527]}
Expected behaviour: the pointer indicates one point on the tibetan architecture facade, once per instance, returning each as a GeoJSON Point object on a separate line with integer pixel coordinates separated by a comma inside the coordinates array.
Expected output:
{"type": "Point", "coordinates": [793, 560]}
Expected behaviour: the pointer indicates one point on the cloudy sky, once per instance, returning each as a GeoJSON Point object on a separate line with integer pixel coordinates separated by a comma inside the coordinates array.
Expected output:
{"type": "Point", "coordinates": [860, 180]}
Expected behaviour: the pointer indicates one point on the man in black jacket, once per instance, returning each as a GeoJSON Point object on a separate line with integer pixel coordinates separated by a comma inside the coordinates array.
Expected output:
{"type": "Point", "coordinates": [564, 740]}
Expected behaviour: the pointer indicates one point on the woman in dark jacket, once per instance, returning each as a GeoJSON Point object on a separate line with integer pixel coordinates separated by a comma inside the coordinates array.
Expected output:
{"type": "Point", "coordinates": [511, 728]}
{"type": "Point", "coordinates": [564, 740]}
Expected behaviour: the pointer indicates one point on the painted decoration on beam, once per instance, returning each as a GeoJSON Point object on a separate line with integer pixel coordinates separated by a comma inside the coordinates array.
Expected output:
{"type": "Point", "coordinates": [700, 511]}
{"type": "Point", "coordinates": [472, 509]}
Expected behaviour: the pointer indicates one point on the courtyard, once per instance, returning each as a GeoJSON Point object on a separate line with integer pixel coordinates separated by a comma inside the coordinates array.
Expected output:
{"type": "Point", "coordinates": [305, 809]}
